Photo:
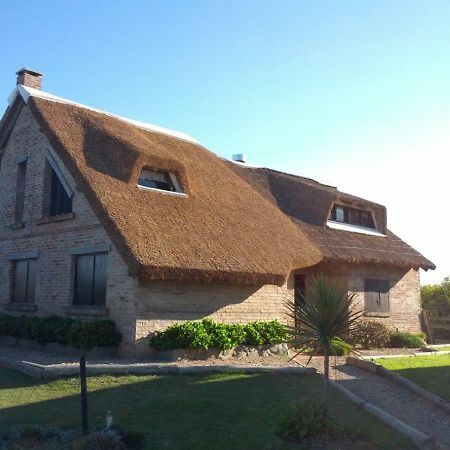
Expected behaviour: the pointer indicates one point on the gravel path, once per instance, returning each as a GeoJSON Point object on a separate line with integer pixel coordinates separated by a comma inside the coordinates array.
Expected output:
{"type": "Point", "coordinates": [393, 399]}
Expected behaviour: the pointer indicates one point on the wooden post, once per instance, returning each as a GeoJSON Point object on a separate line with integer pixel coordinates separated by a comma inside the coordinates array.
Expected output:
{"type": "Point", "coordinates": [84, 403]}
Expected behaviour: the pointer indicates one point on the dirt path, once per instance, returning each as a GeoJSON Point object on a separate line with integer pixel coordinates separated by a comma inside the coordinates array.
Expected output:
{"type": "Point", "coordinates": [393, 399]}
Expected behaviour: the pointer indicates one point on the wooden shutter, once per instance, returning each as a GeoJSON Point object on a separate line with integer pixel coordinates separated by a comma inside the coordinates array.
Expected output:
{"type": "Point", "coordinates": [84, 278]}
{"type": "Point", "coordinates": [376, 296]}
{"type": "Point", "coordinates": [20, 281]}
{"type": "Point", "coordinates": [99, 286]}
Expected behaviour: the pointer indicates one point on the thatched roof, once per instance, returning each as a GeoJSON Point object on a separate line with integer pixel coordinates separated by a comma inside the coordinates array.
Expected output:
{"type": "Point", "coordinates": [308, 203]}
{"type": "Point", "coordinates": [223, 231]}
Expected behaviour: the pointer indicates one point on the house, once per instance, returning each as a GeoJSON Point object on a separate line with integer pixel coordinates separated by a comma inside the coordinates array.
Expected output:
{"type": "Point", "coordinates": [102, 216]}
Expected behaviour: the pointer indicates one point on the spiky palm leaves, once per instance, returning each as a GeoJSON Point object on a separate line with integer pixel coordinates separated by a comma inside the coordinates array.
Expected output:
{"type": "Point", "coordinates": [324, 313]}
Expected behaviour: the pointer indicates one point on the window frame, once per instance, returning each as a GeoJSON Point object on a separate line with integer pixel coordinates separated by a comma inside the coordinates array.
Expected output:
{"type": "Point", "coordinates": [348, 211]}
{"type": "Point", "coordinates": [76, 257]}
{"type": "Point", "coordinates": [177, 188]}
{"type": "Point", "coordinates": [24, 283]}
{"type": "Point", "coordinates": [21, 181]}
{"type": "Point", "coordinates": [53, 176]}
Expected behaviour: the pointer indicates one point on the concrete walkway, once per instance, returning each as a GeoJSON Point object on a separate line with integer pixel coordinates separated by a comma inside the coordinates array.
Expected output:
{"type": "Point", "coordinates": [393, 399]}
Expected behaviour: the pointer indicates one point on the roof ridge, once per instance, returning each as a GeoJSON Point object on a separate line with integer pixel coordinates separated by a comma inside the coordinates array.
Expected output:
{"type": "Point", "coordinates": [26, 92]}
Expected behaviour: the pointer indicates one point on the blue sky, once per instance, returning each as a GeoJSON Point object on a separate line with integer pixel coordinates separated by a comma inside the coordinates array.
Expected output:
{"type": "Point", "coordinates": [356, 93]}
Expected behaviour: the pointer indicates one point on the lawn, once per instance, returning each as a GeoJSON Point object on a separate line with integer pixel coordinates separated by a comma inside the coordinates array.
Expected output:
{"type": "Point", "coordinates": [228, 411]}
{"type": "Point", "coordinates": [431, 372]}
{"type": "Point", "coordinates": [445, 348]}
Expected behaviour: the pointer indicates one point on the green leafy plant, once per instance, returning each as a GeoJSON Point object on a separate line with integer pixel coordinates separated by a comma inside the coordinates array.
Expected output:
{"type": "Point", "coordinates": [370, 334]}
{"type": "Point", "coordinates": [406, 340]}
{"type": "Point", "coordinates": [221, 336]}
{"type": "Point", "coordinates": [340, 347]}
{"type": "Point", "coordinates": [61, 330]}
{"type": "Point", "coordinates": [436, 298]}
{"type": "Point", "coordinates": [324, 313]}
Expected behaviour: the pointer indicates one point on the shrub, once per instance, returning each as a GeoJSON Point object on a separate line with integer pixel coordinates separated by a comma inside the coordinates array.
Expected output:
{"type": "Point", "coordinates": [309, 421]}
{"type": "Point", "coordinates": [370, 334]}
{"type": "Point", "coordinates": [262, 333]}
{"type": "Point", "coordinates": [436, 298]}
{"type": "Point", "coordinates": [221, 336]}
{"type": "Point", "coordinates": [340, 347]}
{"type": "Point", "coordinates": [61, 330]}
{"type": "Point", "coordinates": [406, 340]}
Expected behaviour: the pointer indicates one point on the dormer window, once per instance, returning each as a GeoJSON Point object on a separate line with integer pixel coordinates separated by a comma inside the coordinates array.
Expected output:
{"type": "Point", "coordinates": [352, 216]}
{"type": "Point", "coordinates": [161, 181]}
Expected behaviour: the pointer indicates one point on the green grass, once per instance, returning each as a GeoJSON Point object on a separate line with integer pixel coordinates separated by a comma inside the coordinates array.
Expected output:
{"type": "Point", "coordinates": [445, 348]}
{"type": "Point", "coordinates": [226, 411]}
{"type": "Point", "coordinates": [431, 372]}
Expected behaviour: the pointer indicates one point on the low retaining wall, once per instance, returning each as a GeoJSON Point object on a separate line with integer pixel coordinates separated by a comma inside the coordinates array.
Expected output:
{"type": "Point", "coordinates": [238, 352]}
{"type": "Point", "coordinates": [57, 349]}
{"type": "Point", "coordinates": [57, 371]}
{"type": "Point", "coordinates": [398, 379]}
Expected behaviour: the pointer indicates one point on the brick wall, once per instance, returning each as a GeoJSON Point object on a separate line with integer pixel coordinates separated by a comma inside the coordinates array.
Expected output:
{"type": "Point", "coordinates": [404, 294]}
{"type": "Point", "coordinates": [53, 240]}
{"type": "Point", "coordinates": [160, 304]}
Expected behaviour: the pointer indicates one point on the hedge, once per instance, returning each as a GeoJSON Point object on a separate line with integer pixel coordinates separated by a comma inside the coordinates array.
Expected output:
{"type": "Point", "coordinates": [61, 330]}
{"type": "Point", "coordinates": [208, 334]}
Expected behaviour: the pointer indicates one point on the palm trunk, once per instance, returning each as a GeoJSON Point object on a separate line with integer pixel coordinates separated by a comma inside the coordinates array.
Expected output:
{"type": "Point", "coordinates": [326, 377]}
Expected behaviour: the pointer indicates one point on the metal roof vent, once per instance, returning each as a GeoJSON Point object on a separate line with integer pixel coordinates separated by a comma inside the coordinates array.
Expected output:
{"type": "Point", "coordinates": [240, 157]}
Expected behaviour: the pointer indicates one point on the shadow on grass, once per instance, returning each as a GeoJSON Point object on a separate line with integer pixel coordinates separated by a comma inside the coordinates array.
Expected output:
{"type": "Point", "coordinates": [435, 379]}
{"type": "Point", "coordinates": [232, 411]}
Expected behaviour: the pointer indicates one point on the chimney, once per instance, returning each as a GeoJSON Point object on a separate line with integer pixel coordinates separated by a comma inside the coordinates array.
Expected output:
{"type": "Point", "coordinates": [240, 157]}
{"type": "Point", "coordinates": [29, 78]}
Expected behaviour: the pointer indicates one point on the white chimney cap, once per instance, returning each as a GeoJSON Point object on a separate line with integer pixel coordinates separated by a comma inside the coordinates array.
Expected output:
{"type": "Point", "coordinates": [240, 157]}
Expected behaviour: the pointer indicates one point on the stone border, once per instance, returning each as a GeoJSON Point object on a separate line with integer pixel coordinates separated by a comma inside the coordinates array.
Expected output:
{"type": "Point", "coordinates": [422, 440]}
{"type": "Point", "coordinates": [407, 355]}
{"type": "Point", "coordinates": [379, 370]}
{"type": "Point", "coordinates": [56, 371]}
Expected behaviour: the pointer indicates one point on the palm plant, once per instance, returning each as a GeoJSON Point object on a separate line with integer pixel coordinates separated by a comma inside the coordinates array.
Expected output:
{"type": "Point", "coordinates": [324, 313]}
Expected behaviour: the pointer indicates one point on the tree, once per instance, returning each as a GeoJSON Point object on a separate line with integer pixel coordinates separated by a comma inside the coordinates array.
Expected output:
{"type": "Point", "coordinates": [324, 313]}
{"type": "Point", "coordinates": [436, 298]}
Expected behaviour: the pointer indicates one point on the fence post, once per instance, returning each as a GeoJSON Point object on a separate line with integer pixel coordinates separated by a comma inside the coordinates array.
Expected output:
{"type": "Point", "coordinates": [84, 403]}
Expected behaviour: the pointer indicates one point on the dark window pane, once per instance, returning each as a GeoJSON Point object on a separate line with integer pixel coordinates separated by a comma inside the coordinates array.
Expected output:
{"type": "Point", "coordinates": [84, 277]}
{"type": "Point", "coordinates": [20, 281]}
{"type": "Point", "coordinates": [60, 202]}
{"type": "Point", "coordinates": [366, 219]}
{"type": "Point", "coordinates": [333, 213]}
{"type": "Point", "coordinates": [31, 280]}
{"type": "Point", "coordinates": [354, 216]}
{"type": "Point", "coordinates": [156, 180]}
{"type": "Point", "coordinates": [20, 191]}
{"type": "Point", "coordinates": [99, 289]}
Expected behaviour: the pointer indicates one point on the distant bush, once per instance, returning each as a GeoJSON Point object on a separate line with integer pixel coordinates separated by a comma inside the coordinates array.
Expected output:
{"type": "Point", "coordinates": [61, 330]}
{"type": "Point", "coordinates": [436, 298]}
{"type": "Point", "coordinates": [221, 336]}
{"type": "Point", "coordinates": [406, 340]}
{"type": "Point", "coordinates": [370, 334]}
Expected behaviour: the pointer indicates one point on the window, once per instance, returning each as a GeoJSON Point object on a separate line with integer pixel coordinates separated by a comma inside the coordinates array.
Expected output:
{"type": "Point", "coordinates": [376, 297]}
{"type": "Point", "coordinates": [90, 279]}
{"type": "Point", "coordinates": [158, 180]}
{"type": "Point", "coordinates": [24, 280]}
{"type": "Point", "coordinates": [352, 216]}
{"type": "Point", "coordinates": [60, 202]}
{"type": "Point", "coordinates": [20, 191]}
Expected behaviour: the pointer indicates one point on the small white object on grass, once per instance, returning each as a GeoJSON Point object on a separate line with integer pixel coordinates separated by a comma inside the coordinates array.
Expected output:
{"type": "Point", "coordinates": [109, 419]}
